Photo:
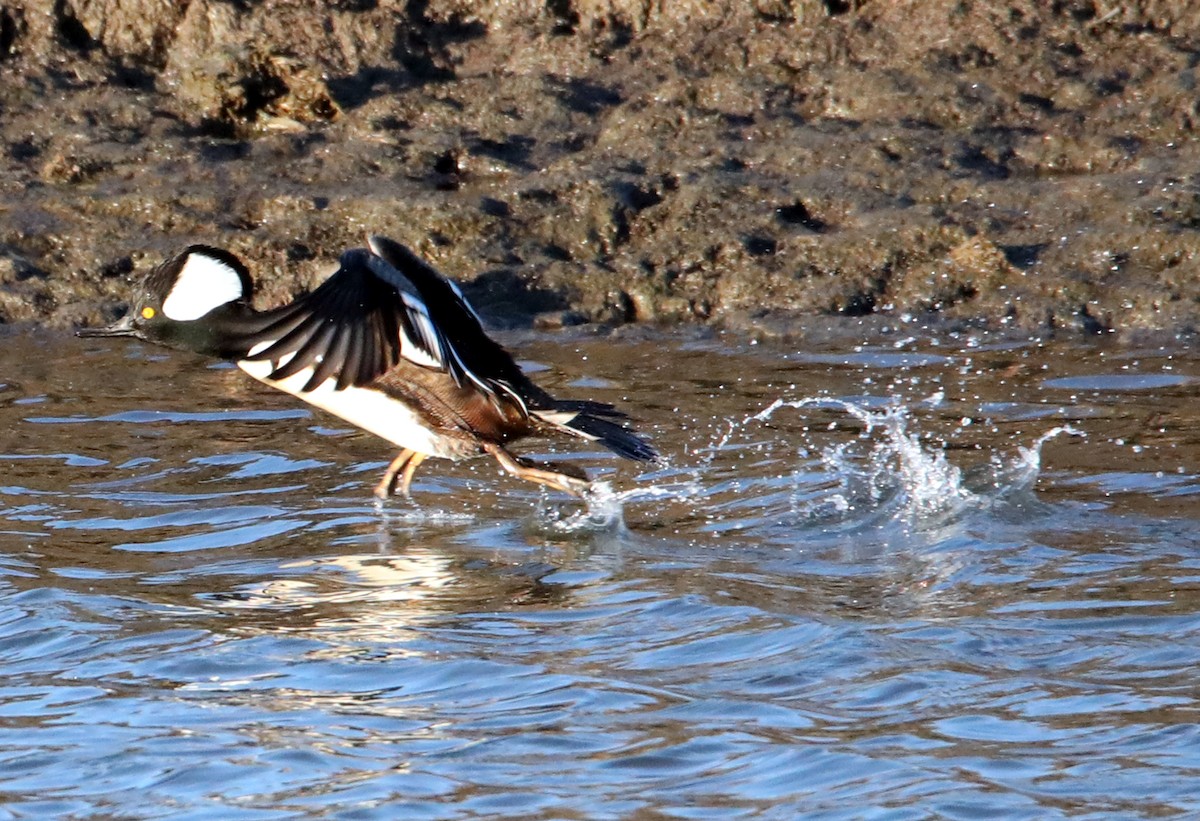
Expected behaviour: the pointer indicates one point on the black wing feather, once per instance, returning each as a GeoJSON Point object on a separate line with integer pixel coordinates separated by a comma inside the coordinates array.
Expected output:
{"type": "Point", "coordinates": [332, 357]}
{"type": "Point", "coordinates": [309, 340]}
{"type": "Point", "coordinates": [361, 321]}
{"type": "Point", "coordinates": [353, 353]}
{"type": "Point", "coordinates": [387, 343]}
{"type": "Point", "coordinates": [470, 352]}
{"type": "Point", "coordinates": [300, 330]}
{"type": "Point", "coordinates": [279, 323]}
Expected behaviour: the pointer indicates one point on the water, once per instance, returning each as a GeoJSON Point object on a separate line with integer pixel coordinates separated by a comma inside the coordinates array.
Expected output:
{"type": "Point", "coordinates": [924, 576]}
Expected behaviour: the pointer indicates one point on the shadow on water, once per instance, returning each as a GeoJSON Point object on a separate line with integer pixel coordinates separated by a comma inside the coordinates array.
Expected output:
{"type": "Point", "coordinates": [949, 577]}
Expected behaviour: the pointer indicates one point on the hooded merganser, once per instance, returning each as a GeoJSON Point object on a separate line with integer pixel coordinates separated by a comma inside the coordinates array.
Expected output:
{"type": "Point", "coordinates": [386, 343]}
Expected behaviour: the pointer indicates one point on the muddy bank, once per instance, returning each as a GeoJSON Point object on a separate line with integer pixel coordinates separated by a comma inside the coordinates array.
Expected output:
{"type": "Point", "coordinates": [1027, 165]}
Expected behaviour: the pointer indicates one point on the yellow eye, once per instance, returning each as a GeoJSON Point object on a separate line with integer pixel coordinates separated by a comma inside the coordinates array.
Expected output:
{"type": "Point", "coordinates": [147, 313]}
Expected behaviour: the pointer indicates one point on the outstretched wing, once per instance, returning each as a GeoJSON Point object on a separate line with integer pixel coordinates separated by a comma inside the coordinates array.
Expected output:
{"type": "Point", "coordinates": [366, 318]}
{"type": "Point", "coordinates": [474, 354]}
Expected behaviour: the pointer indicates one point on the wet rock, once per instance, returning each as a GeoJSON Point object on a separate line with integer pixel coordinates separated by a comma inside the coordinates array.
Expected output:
{"type": "Point", "coordinates": [134, 32]}
{"type": "Point", "coordinates": [24, 294]}
{"type": "Point", "coordinates": [15, 268]}
{"type": "Point", "coordinates": [557, 320]}
{"type": "Point", "coordinates": [68, 167]}
{"type": "Point", "coordinates": [253, 92]}
{"type": "Point", "coordinates": [1023, 164]}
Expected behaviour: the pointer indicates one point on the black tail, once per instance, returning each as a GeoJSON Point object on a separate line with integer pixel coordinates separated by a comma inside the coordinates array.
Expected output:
{"type": "Point", "coordinates": [601, 423]}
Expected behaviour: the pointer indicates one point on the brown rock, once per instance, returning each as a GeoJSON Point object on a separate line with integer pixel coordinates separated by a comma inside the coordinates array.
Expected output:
{"type": "Point", "coordinates": [1025, 164]}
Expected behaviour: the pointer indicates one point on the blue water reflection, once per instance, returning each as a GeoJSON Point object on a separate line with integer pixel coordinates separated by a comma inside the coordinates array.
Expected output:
{"type": "Point", "coordinates": [907, 591]}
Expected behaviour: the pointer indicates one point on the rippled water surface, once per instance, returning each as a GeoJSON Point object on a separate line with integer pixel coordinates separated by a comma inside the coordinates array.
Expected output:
{"type": "Point", "coordinates": [949, 576]}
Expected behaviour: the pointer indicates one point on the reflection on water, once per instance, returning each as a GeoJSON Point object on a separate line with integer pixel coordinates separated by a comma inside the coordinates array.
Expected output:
{"type": "Point", "coordinates": [946, 577]}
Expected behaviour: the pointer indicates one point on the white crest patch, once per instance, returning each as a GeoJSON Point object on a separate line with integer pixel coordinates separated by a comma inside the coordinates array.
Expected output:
{"type": "Point", "coordinates": [203, 283]}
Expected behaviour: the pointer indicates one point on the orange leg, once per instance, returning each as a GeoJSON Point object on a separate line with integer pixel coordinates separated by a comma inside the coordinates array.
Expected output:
{"type": "Point", "coordinates": [388, 483]}
{"type": "Point", "coordinates": [409, 470]}
{"type": "Point", "coordinates": [550, 478]}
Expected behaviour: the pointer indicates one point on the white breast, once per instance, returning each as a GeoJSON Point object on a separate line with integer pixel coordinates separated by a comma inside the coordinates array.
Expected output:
{"type": "Point", "coordinates": [368, 409]}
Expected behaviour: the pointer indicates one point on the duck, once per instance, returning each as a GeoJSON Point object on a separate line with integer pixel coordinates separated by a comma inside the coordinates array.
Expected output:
{"type": "Point", "coordinates": [386, 343]}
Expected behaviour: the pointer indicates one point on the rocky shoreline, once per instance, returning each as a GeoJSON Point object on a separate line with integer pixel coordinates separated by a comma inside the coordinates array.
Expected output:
{"type": "Point", "coordinates": [743, 163]}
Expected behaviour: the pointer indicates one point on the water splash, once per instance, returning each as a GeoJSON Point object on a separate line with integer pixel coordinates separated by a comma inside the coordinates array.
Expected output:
{"type": "Point", "coordinates": [398, 512]}
{"type": "Point", "coordinates": [603, 511]}
{"type": "Point", "coordinates": [884, 475]}
{"type": "Point", "coordinates": [1025, 470]}
{"type": "Point", "coordinates": [888, 475]}
{"type": "Point", "coordinates": [1013, 480]}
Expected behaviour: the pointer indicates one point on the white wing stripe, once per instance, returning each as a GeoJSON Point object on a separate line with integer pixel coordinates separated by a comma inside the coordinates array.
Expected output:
{"type": "Point", "coordinates": [479, 383]}
{"type": "Point", "coordinates": [462, 299]}
{"type": "Point", "coordinates": [416, 353]}
{"type": "Point", "coordinates": [430, 339]}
